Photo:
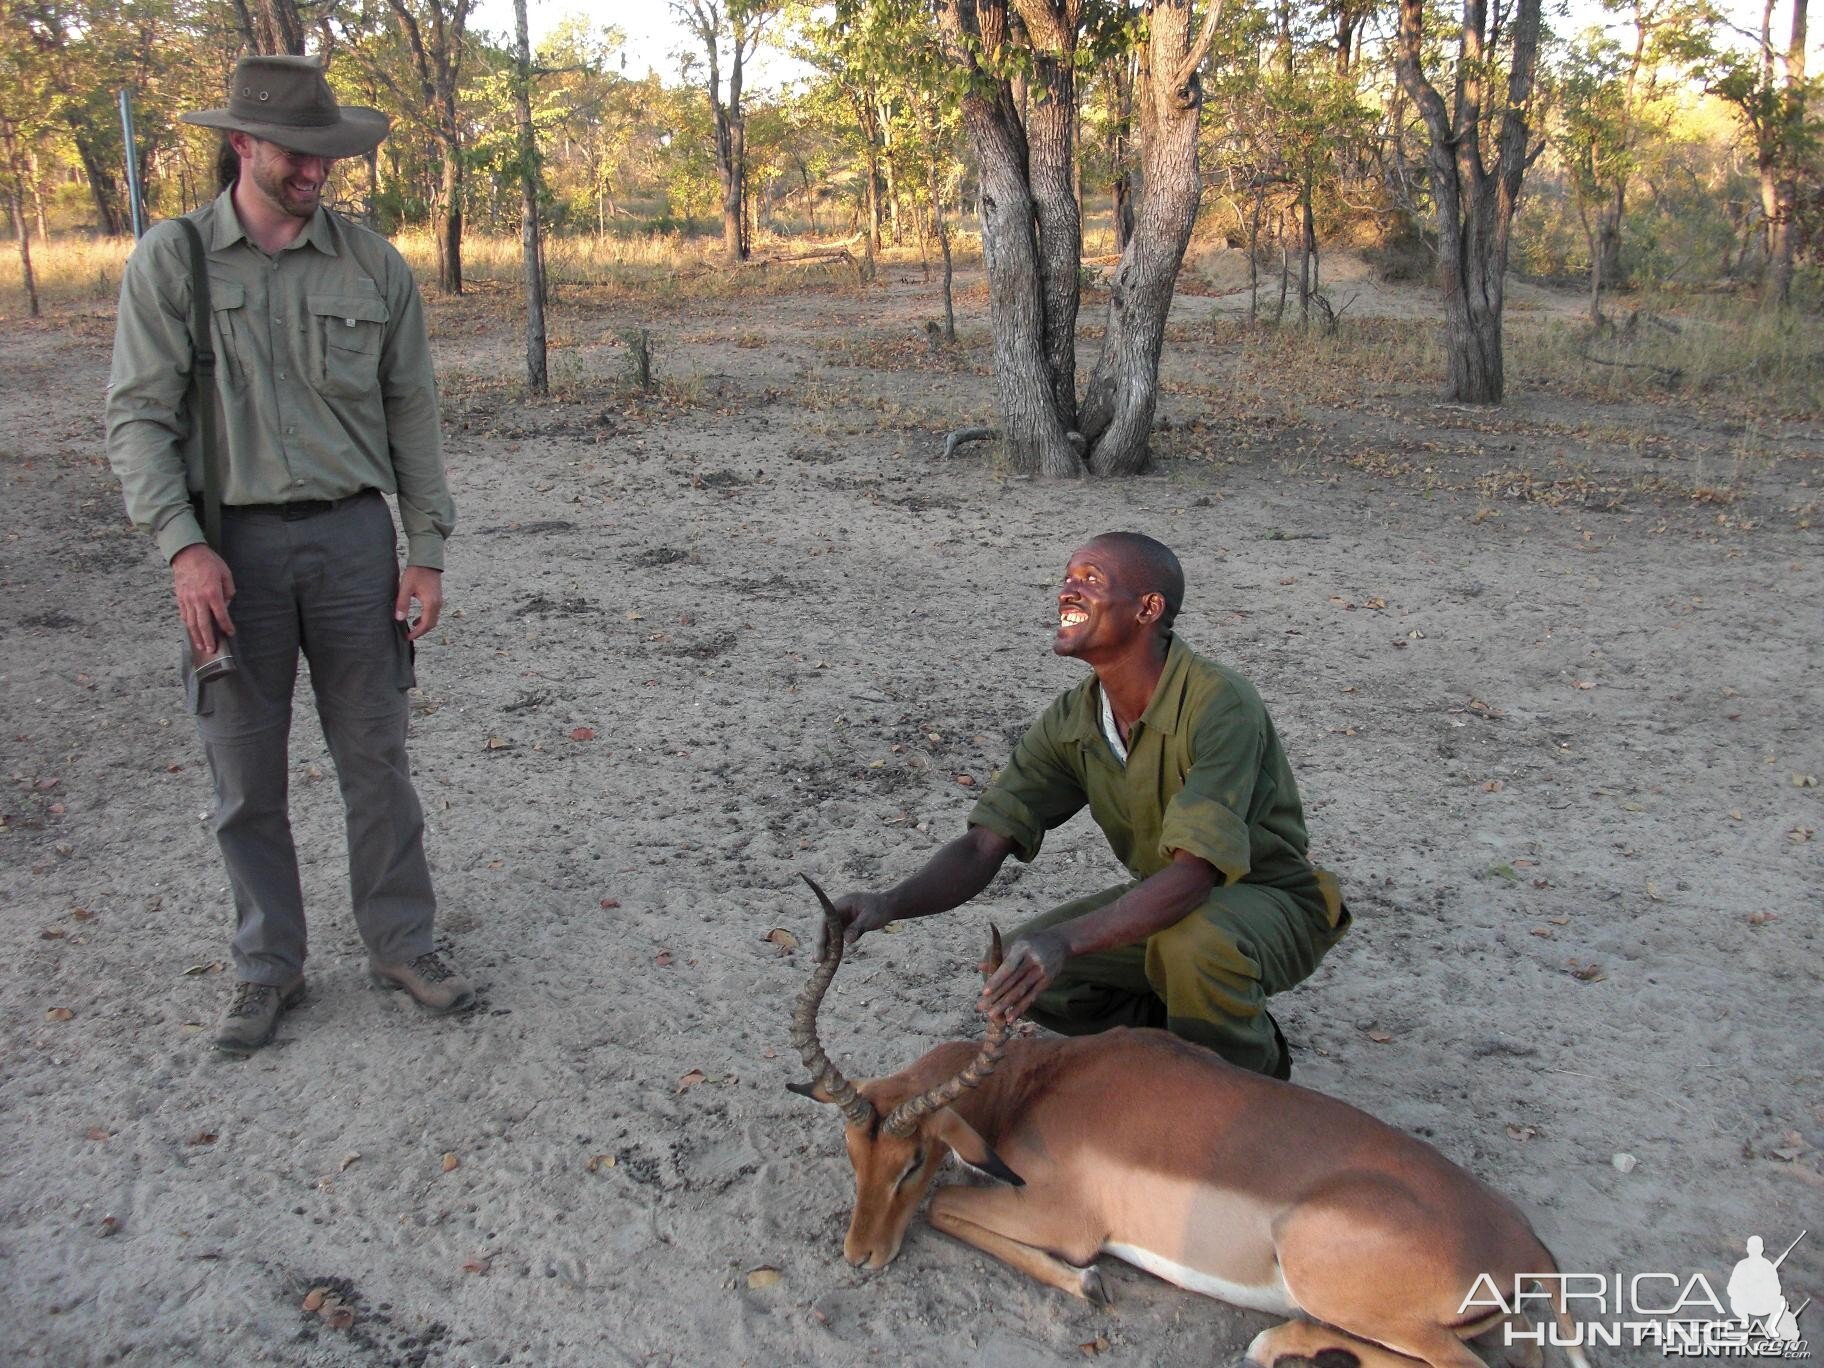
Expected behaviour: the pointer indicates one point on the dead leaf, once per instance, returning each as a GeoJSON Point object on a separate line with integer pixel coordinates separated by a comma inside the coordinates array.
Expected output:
{"type": "Point", "coordinates": [582, 733]}
{"type": "Point", "coordinates": [1791, 1146]}
{"type": "Point", "coordinates": [1374, 601]}
{"type": "Point", "coordinates": [110, 1225]}
{"type": "Point", "coordinates": [203, 1138]}
{"type": "Point", "coordinates": [197, 970]}
{"type": "Point", "coordinates": [476, 1265]}
{"type": "Point", "coordinates": [1804, 781]}
{"type": "Point", "coordinates": [609, 904]}
{"type": "Point", "coordinates": [498, 743]}
{"type": "Point", "coordinates": [691, 1079]}
{"type": "Point", "coordinates": [348, 1159]}
{"type": "Point", "coordinates": [597, 1163]}
{"type": "Point", "coordinates": [1735, 814]}
{"type": "Point", "coordinates": [782, 938]}
{"type": "Point", "coordinates": [764, 1276]}
{"type": "Point", "coordinates": [337, 1316]}
{"type": "Point", "coordinates": [81, 913]}
{"type": "Point", "coordinates": [1582, 684]}
{"type": "Point", "coordinates": [967, 781]}
{"type": "Point", "coordinates": [314, 774]}
{"type": "Point", "coordinates": [1587, 973]}
{"type": "Point", "coordinates": [1494, 786]}
{"type": "Point", "coordinates": [1290, 579]}
{"type": "Point", "coordinates": [450, 1162]}
{"type": "Point", "coordinates": [1522, 1133]}
{"type": "Point", "coordinates": [313, 1299]}
{"type": "Point", "coordinates": [1760, 918]}
{"type": "Point", "coordinates": [1090, 1348]}
{"type": "Point", "coordinates": [1381, 1037]}
{"type": "Point", "coordinates": [59, 1014]}
{"type": "Point", "coordinates": [1800, 833]}
{"type": "Point", "coordinates": [1653, 891]}
{"type": "Point", "coordinates": [52, 933]}
{"type": "Point", "coordinates": [99, 1133]}
{"type": "Point", "coordinates": [1543, 932]}
{"type": "Point", "coordinates": [1559, 921]}
{"type": "Point", "coordinates": [662, 959]}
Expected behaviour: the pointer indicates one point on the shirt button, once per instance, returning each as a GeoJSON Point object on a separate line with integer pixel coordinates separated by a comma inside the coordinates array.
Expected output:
{"type": "Point", "coordinates": [298, 482]}
{"type": "Point", "coordinates": [281, 375]}
{"type": "Point", "coordinates": [292, 432]}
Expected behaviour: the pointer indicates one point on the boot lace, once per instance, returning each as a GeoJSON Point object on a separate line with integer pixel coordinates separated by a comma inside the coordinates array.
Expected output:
{"type": "Point", "coordinates": [250, 999]}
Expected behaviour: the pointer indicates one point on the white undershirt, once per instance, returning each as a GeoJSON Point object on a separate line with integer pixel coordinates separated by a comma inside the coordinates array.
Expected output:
{"type": "Point", "coordinates": [1110, 732]}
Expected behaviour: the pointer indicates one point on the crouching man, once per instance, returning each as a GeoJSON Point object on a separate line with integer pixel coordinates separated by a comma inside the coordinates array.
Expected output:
{"type": "Point", "coordinates": [1180, 766]}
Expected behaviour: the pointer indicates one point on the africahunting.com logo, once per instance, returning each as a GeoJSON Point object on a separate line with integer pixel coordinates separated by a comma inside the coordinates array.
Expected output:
{"type": "Point", "coordinates": [1683, 1316]}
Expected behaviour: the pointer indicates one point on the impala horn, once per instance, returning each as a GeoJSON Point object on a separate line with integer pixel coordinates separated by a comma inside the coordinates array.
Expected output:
{"type": "Point", "coordinates": [904, 1118]}
{"type": "Point", "coordinates": [856, 1109]}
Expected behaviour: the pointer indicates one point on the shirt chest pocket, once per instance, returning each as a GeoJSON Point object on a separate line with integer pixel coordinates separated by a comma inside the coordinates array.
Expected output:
{"type": "Point", "coordinates": [228, 309]}
{"type": "Point", "coordinates": [346, 335]}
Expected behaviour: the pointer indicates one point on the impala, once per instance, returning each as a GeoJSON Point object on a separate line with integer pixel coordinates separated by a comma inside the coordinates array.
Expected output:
{"type": "Point", "coordinates": [1137, 1144]}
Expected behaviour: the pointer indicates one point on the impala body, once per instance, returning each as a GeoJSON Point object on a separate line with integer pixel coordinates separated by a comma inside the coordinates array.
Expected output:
{"type": "Point", "coordinates": [1140, 1145]}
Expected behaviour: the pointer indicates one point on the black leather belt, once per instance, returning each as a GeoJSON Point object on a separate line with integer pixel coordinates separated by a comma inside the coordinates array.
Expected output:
{"type": "Point", "coordinates": [294, 509]}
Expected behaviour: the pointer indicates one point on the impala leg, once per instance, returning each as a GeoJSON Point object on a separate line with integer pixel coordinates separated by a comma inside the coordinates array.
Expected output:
{"type": "Point", "coordinates": [1017, 1231]}
{"type": "Point", "coordinates": [1306, 1344]}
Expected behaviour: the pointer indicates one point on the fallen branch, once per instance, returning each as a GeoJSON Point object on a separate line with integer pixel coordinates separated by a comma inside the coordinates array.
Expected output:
{"type": "Point", "coordinates": [1670, 375]}
{"type": "Point", "coordinates": [962, 435]}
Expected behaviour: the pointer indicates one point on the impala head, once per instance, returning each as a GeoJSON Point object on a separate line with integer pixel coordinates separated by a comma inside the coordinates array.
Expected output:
{"type": "Point", "coordinates": [898, 1129]}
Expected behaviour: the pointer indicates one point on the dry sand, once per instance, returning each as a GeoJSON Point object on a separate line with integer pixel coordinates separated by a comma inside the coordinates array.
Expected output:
{"type": "Point", "coordinates": [1560, 758]}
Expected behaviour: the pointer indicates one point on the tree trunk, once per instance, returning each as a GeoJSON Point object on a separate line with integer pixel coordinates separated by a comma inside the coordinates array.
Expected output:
{"type": "Point", "coordinates": [1117, 412]}
{"type": "Point", "coordinates": [1051, 157]}
{"type": "Point", "coordinates": [537, 380]}
{"type": "Point", "coordinates": [102, 184]}
{"type": "Point", "coordinates": [446, 223]}
{"type": "Point", "coordinates": [1791, 139]}
{"type": "Point", "coordinates": [1475, 202]}
{"type": "Point", "coordinates": [25, 250]}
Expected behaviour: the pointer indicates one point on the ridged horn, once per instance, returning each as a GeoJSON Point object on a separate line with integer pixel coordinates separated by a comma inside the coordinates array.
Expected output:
{"type": "Point", "coordinates": [856, 1109]}
{"type": "Point", "coordinates": [904, 1118]}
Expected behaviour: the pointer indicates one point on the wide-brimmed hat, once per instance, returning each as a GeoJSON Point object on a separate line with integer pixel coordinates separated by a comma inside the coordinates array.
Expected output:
{"type": "Point", "coordinates": [285, 100]}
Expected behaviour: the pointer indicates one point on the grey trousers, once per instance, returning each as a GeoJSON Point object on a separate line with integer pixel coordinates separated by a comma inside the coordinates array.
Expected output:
{"type": "Point", "coordinates": [323, 584]}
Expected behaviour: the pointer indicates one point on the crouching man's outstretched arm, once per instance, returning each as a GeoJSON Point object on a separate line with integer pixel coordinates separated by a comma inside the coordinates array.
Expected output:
{"type": "Point", "coordinates": [950, 878]}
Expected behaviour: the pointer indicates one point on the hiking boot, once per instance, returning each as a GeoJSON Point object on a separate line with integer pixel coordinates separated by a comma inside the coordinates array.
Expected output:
{"type": "Point", "coordinates": [253, 1015]}
{"type": "Point", "coordinates": [430, 980]}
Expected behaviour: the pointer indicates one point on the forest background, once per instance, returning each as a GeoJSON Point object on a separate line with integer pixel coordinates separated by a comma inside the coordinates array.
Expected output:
{"type": "Point", "coordinates": [1673, 142]}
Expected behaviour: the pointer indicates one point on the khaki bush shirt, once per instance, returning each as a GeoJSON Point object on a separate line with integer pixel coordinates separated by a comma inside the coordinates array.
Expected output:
{"type": "Point", "coordinates": [323, 378]}
{"type": "Point", "coordinates": [1204, 774]}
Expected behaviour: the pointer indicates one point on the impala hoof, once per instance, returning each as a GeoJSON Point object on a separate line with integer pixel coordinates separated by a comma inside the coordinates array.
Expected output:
{"type": "Point", "coordinates": [1091, 1288]}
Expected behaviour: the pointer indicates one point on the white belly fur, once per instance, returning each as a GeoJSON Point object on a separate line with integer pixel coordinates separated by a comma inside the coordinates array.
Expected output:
{"type": "Point", "coordinates": [1273, 1297]}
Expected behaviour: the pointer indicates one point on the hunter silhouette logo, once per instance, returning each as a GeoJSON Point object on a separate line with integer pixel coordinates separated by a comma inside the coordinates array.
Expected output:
{"type": "Point", "coordinates": [1754, 1293]}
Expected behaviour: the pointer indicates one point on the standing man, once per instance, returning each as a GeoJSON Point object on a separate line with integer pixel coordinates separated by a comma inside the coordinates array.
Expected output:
{"type": "Point", "coordinates": [326, 403]}
{"type": "Point", "coordinates": [1180, 766]}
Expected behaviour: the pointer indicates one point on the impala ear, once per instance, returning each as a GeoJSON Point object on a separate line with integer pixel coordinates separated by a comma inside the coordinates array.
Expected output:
{"type": "Point", "coordinates": [971, 1148]}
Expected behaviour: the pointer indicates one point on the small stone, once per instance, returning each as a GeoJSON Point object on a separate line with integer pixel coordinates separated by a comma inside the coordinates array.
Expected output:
{"type": "Point", "coordinates": [1624, 1163]}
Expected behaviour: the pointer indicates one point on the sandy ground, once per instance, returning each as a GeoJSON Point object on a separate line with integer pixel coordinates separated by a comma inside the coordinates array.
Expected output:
{"type": "Point", "coordinates": [1559, 740]}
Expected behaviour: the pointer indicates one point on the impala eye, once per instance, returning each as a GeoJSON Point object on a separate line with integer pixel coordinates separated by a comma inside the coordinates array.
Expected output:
{"type": "Point", "coordinates": [918, 1162]}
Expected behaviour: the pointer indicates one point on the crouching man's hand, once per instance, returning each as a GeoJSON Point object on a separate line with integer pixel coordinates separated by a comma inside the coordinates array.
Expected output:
{"type": "Point", "coordinates": [861, 912]}
{"type": "Point", "coordinates": [1032, 964]}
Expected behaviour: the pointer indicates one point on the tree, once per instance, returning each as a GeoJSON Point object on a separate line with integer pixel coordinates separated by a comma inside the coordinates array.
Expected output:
{"type": "Point", "coordinates": [736, 25]}
{"type": "Point", "coordinates": [435, 36]}
{"type": "Point", "coordinates": [1474, 197]}
{"type": "Point", "coordinates": [531, 247]}
{"type": "Point", "coordinates": [1030, 230]}
{"type": "Point", "coordinates": [1774, 111]}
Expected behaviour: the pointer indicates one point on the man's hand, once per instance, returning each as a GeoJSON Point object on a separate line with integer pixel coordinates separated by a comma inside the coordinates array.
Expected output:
{"type": "Point", "coordinates": [426, 585]}
{"type": "Point", "coordinates": [860, 913]}
{"type": "Point", "coordinates": [1031, 965]}
{"type": "Point", "coordinates": [204, 586]}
